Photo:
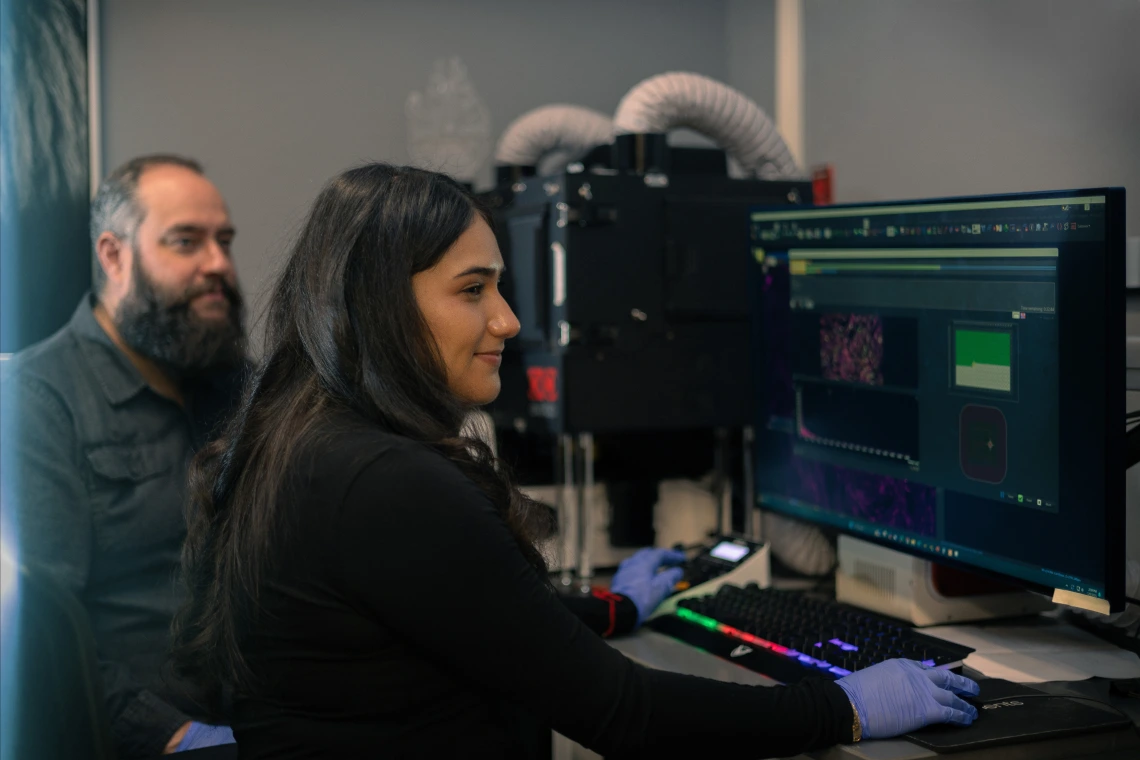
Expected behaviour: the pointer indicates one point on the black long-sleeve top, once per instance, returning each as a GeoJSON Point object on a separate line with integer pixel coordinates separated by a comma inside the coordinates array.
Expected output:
{"type": "Point", "coordinates": [401, 620]}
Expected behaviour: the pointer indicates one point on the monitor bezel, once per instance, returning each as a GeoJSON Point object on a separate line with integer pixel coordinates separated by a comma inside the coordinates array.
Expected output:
{"type": "Point", "coordinates": [1112, 269]}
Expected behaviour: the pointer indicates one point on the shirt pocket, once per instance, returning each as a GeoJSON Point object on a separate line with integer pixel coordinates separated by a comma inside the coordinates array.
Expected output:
{"type": "Point", "coordinates": [137, 492]}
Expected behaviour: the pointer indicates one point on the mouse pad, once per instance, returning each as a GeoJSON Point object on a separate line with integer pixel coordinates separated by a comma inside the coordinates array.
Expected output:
{"type": "Point", "coordinates": [1003, 718]}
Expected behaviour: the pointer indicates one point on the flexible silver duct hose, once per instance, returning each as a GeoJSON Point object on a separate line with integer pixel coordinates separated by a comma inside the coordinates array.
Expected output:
{"type": "Point", "coordinates": [800, 546]}
{"type": "Point", "coordinates": [735, 123]}
{"type": "Point", "coordinates": [481, 426]}
{"type": "Point", "coordinates": [569, 131]}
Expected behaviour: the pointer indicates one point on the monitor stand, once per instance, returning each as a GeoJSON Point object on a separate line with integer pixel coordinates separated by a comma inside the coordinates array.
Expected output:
{"type": "Point", "coordinates": [921, 592]}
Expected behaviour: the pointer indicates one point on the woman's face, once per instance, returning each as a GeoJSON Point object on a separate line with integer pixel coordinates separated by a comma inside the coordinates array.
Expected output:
{"type": "Point", "coordinates": [467, 315]}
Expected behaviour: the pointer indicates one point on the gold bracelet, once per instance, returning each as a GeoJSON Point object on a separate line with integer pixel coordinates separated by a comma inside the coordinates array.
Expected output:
{"type": "Point", "coordinates": [856, 726]}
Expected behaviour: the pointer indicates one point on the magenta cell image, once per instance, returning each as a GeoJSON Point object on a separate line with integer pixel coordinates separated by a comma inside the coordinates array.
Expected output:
{"type": "Point", "coordinates": [883, 500]}
{"type": "Point", "coordinates": [851, 348]}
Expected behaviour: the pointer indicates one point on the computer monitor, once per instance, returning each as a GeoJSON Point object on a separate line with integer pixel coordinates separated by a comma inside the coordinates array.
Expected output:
{"type": "Point", "coordinates": [946, 378]}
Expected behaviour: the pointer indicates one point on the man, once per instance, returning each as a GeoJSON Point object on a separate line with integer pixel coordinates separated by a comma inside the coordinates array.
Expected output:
{"type": "Point", "coordinates": [103, 418]}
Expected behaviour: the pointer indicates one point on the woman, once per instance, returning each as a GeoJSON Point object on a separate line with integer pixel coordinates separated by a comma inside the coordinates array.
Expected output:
{"type": "Point", "coordinates": [367, 582]}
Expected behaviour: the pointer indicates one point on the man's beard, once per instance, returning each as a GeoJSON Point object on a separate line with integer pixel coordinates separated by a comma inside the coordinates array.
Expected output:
{"type": "Point", "coordinates": [164, 327]}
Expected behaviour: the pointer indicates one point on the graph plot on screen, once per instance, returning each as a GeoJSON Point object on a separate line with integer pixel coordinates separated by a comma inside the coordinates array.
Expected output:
{"type": "Point", "coordinates": [982, 360]}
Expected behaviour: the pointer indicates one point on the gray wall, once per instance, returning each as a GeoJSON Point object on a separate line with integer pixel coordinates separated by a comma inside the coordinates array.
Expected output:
{"type": "Point", "coordinates": [912, 99]}
{"type": "Point", "coordinates": [906, 98]}
{"type": "Point", "coordinates": [750, 27]}
{"type": "Point", "coordinates": [276, 97]}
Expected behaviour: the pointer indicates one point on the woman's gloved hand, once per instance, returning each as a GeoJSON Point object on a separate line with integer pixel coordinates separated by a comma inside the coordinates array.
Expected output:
{"type": "Point", "coordinates": [204, 735]}
{"type": "Point", "coordinates": [638, 578]}
{"type": "Point", "coordinates": [898, 696]}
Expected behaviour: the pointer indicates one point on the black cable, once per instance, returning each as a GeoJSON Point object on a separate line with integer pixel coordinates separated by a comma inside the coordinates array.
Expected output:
{"type": "Point", "coordinates": [1130, 600]}
{"type": "Point", "coordinates": [1132, 446]}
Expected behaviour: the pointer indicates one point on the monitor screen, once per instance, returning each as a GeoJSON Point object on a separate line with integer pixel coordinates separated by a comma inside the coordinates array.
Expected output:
{"type": "Point", "coordinates": [947, 378]}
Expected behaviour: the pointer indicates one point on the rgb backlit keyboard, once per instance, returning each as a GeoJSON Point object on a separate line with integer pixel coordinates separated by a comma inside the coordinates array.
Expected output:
{"type": "Point", "coordinates": [789, 635]}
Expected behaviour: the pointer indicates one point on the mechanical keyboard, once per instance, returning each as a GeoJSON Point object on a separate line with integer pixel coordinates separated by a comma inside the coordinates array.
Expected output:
{"type": "Point", "coordinates": [790, 635]}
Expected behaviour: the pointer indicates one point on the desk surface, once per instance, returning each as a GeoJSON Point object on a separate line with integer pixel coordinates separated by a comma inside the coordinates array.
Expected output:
{"type": "Point", "coordinates": [656, 650]}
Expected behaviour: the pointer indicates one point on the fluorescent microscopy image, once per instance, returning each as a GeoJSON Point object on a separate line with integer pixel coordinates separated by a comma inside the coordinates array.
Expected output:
{"type": "Point", "coordinates": [879, 499]}
{"type": "Point", "coordinates": [851, 348]}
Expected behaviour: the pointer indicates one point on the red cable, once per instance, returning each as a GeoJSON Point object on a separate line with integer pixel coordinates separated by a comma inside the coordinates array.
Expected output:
{"type": "Point", "coordinates": [613, 599]}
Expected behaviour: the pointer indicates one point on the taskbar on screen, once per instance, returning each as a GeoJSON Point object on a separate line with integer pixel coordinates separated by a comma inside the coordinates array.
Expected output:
{"type": "Point", "coordinates": [932, 546]}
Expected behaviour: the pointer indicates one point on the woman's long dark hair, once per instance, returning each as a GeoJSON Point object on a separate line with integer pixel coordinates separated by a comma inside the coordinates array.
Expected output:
{"type": "Point", "coordinates": [343, 333]}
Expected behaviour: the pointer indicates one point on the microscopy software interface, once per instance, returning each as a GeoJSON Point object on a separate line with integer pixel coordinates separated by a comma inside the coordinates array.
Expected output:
{"type": "Point", "coordinates": [910, 379]}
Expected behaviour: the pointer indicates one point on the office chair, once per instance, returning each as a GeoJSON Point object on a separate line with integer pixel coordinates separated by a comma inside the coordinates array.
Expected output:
{"type": "Point", "coordinates": [58, 707]}
{"type": "Point", "coordinates": [57, 701]}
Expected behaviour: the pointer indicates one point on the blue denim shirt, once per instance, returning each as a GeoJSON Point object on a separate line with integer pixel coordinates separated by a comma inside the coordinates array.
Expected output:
{"type": "Point", "coordinates": [94, 485]}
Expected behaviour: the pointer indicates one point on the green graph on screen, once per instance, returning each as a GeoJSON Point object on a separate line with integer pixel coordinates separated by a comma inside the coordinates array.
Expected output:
{"type": "Point", "coordinates": [982, 360]}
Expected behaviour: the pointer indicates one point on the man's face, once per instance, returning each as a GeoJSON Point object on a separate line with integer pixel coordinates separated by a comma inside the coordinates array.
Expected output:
{"type": "Point", "coordinates": [180, 303]}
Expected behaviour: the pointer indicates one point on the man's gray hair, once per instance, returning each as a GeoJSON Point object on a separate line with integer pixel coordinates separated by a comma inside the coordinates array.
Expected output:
{"type": "Point", "coordinates": [116, 207]}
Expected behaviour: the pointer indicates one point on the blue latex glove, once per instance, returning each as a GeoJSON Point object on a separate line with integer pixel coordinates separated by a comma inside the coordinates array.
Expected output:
{"type": "Point", "coordinates": [203, 735]}
{"type": "Point", "coordinates": [899, 696]}
{"type": "Point", "coordinates": [638, 579]}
